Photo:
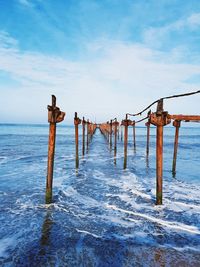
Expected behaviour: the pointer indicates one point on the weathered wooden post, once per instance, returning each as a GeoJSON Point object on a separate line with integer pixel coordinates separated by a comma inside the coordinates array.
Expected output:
{"type": "Point", "coordinates": [134, 142]}
{"type": "Point", "coordinates": [147, 124]}
{"type": "Point", "coordinates": [177, 125]}
{"type": "Point", "coordinates": [83, 136]}
{"type": "Point", "coordinates": [54, 116]}
{"type": "Point", "coordinates": [77, 121]}
{"type": "Point", "coordinates": [159, 119]}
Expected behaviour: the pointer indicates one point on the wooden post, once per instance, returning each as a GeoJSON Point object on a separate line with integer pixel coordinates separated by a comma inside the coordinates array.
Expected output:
{"type": "Point", "coordinates": [134, 142]}
{"type": "Point", "coordinates": [159, 119]}
{"type": "Point", "coordinates": [77, 121]}
{"type": "Point", "coordinates": [148, 135]}
{"type": "Point", "coordinates": [176, 124]}
{"type": "Point", "coordinates": [83, 136]}
{"type": "Point", "coordinates": [54, 116]}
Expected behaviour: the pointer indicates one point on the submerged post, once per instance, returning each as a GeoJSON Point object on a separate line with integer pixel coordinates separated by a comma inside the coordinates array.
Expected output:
{"type": "Point", "coordinates": [134, 141]}
{"type": "Point", "coordinates": [83, 136]}
{"type": "Point", "coordinates": [116, 123]}
{"type": "Point", "coordinates": [121, 133]}
{"type": "Point", "coordinates": [159, 119]}
{"type": "Point", "coordinates": [111, 134]}
{"type": "Point", "coordinates": [126, 123]}
{"type": "Point", "coordinates": [177, 125]}
{"type": "Point", "coordinates": [77, 121]}
{"type": "Point", "coordinates": [147, 124]}
{"type": "Point", "coordinates": [54, 116]}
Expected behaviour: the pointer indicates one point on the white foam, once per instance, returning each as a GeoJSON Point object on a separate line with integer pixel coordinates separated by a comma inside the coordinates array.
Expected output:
{"type": "Point", "coordinates": [88, 233]}
{"type": "Point", "coordinates": [169, 224]}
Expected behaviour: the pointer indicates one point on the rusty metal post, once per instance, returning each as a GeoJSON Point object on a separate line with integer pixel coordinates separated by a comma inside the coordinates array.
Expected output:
{"type": "Point", "coordinates": [177, 125]}
{"type": "Point", "coordinates": [83, 136]}
{"type": "Point", "coordinates": [134, 141]}
{"type": "Point", "coordinates": [159, 164]}
{"type": "Point", "coordinates": [54, 116]}
{"type": "Point", "coordinates": [110, 134]}
{"type": "Point", "coordinates": [115, 139]}
{"type": "Point", "coordinates": [121, 133]}
{"type": "Point", "coordinates": [87, 133]}
{"type": "Point", "coordinates": [159, 119]}
{"type": "Point", "coordinates": [118, 132]}
{"type": "Point", "coordinates": [77, 121]}
{"type": "Point", "coordinates": [125, 123]}
{"type": "Point", "coordinates": [148, 136]}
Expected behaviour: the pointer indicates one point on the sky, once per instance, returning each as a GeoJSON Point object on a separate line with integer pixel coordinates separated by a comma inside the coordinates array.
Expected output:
{"type": "Point", "coordinates": [101, 58]}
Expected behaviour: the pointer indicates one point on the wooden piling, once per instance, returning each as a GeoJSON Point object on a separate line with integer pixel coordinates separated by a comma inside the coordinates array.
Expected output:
{"type": "Point", "coordinates": [54, 116]}
{"type": "Point", "coordinates": [177, 125]}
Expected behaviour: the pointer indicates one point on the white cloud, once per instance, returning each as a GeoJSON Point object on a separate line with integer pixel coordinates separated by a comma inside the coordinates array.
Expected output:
{"type": "Point", "coordinates": [124, 78]}
{"type": "Point", "coordinates": [157, 35]}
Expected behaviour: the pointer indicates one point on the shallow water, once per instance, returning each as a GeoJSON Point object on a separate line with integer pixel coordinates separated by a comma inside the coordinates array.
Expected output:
{"type": "Point", "coordinates": [102, 215]}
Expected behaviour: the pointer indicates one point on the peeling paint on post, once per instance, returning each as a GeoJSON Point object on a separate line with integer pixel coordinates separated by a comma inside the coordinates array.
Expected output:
{"type": "Point", "coordinates": [177, 125]}
{"type": "Point", "coordinates": [54, 116]}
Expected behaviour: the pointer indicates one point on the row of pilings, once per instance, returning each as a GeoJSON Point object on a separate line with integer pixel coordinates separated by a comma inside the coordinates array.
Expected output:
{"type": "Point", "coordinates": [111, 132]}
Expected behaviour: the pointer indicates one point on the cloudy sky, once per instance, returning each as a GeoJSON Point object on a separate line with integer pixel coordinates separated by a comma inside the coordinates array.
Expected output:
{"type": "Point", "coordinates": [101, 58]}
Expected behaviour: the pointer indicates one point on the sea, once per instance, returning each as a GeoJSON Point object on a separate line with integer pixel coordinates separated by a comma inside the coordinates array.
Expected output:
{"type": "Point", "coordinates": [102, 215]}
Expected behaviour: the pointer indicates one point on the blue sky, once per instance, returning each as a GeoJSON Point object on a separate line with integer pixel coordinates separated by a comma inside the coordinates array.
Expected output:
{"type": "Point", "coordinates": [101, 58]}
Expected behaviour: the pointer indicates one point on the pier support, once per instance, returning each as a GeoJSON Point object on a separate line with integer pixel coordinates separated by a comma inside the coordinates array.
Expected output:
{"type": "Point", "coordinates": [77, 121]}
{"type": "Point", "coordinates": [159, 119]}
{"type": "Point", "coordinates": [177, 125]}
{"type": "Point", "coordinates": [147, 124]}
{"type": "Point", "coordinates": [116, 124]}
{"type": "Point", "coordinates": [126, 123]}
{"type": "Point", "coordinates": [54, 116]}
{"type": "Point", "coordinates": [134, 139]}
{"type": "Point", "coordinates": [83, 136]}
{"type": "Point", "coordinates": [111, 123]}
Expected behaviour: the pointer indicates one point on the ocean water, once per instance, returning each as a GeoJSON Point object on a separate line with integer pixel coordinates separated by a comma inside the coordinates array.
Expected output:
{"type": "Point", "coordinates": [101, 215]}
